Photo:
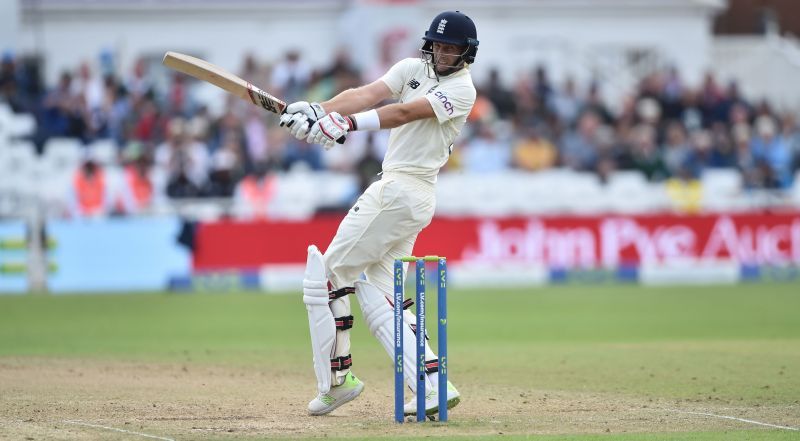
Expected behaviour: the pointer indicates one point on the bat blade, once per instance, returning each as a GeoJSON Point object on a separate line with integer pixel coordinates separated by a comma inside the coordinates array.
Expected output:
{"type": "Point", "coordinates": [205, 71]}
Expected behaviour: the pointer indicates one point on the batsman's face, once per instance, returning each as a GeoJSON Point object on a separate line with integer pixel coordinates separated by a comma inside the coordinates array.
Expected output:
{"type": "Point", "coordinates": [446, 55]}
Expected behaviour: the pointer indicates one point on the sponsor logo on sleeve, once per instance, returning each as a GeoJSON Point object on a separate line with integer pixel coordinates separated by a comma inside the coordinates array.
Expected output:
{"type": "Point", "coordinates": [448, 106]}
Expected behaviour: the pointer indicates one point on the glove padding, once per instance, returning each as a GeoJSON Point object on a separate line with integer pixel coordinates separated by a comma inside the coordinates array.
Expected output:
{"type": "Point", "coordinates": [330, 130]}
{"type": "Point", "coordinates": [299, 116]}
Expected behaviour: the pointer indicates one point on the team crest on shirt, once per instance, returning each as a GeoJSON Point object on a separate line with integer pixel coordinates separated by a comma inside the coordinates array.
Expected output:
{"type": "Point", "coordinates": [413, 83]}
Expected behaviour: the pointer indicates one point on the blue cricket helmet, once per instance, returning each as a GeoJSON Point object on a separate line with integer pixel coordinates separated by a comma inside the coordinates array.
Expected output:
{"type": "Point", "coordinates": [453, 27]}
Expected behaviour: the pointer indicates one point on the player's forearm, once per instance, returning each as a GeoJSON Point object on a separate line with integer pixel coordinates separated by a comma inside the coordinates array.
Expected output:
{"type": "Point", "coordinates": [349, 101]}
{"type": "Point", "coordinates": [394, 115]}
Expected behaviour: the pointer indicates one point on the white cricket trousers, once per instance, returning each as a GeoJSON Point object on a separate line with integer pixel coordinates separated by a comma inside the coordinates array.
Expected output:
{"type": "Point", "coordinates": [382, 226]}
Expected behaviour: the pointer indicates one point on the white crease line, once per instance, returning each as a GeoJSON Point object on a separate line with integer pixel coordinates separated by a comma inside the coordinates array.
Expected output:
{"type": "Point", "coordinates": [81, 423]}
{"type": "Point", "coordinates": [735, 419]}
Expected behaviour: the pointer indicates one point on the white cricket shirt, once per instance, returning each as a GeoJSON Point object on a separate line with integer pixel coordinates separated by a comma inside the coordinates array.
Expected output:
{"type": "Point", "coordinates": [420, 148]}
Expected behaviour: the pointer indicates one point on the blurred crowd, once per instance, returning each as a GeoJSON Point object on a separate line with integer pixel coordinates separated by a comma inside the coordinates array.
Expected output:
{"type": "Point", "coordinates": [665, 128]}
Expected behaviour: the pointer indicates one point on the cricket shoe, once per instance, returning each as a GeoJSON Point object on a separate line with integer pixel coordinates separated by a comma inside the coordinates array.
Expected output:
{"type": "Point", "coordinates": [432, 401]}
{"type": "Point", "coordinates": [338, 395]}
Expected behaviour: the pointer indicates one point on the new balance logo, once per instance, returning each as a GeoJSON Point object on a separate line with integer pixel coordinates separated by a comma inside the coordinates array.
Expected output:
{"type": "Point", "coordinates": [440, 29]}
{"type": "Point", "coordinates": [413, 83]}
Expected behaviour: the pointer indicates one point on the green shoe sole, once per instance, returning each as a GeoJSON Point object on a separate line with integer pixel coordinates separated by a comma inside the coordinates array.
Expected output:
{"type": "Point", "coordinates": [451, 403]}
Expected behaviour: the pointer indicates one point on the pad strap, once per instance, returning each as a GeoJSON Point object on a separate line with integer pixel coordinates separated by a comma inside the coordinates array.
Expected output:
{"type": "Point", "coordinates": [431, 366]}
{"type": "Point", "coordinates": [344, 362]}
{"type": "Point", "coordinates": [333, 295]}
{"type": "Point", "coordinates": [344, 323]}
{"type": "Point", "coordinates": [413, 327]}
{"type": "Point", "coordinates": [407, 303]}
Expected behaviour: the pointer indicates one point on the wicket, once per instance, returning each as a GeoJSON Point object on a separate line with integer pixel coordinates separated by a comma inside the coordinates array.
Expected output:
{"type": "Point", "coordinates": [420, 342]}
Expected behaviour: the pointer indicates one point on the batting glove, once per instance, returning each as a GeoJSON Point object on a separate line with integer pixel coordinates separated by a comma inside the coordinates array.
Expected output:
{"type": "Point", "coordinates": [330, 130]}
{"type": "Point", "coordinates": [299, 116]}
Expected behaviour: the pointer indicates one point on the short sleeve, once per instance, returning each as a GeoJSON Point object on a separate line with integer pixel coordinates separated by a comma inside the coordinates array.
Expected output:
{"type": "Point", "coordinates": [397, 76]}
{"type": "Point", "coordinates": [452, 100]}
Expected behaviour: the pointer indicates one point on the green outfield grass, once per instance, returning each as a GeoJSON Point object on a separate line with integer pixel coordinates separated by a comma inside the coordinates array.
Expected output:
{"type": "Point", "coordinates": [738, 345]}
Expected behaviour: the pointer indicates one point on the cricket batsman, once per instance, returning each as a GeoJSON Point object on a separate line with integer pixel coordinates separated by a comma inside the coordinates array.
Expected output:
{"type": "Point", "coordinates": [434, 95]}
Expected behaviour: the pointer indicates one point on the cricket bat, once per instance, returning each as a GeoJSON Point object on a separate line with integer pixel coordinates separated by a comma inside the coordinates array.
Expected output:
{"type": "Point", "coordinates": [205, 71]}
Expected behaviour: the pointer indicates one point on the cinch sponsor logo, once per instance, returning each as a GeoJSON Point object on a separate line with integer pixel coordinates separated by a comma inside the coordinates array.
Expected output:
{"type": "Point", "coordinates": [447, 104]}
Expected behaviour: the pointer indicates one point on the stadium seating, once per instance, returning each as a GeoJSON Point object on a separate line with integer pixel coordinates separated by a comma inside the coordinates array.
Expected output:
{"type": "Point", "coordinates": [103, 151]}
{"type": "Point", "coordinates": [722, 189]}
{"type": "Point", "coordinates": [18, 166]}
{"type": "Point", "coordinates": [62, 154]}
{"type": "Point", "coordinates": [21, 125]}
{"type": "Point", "coordinates": [5, 121]}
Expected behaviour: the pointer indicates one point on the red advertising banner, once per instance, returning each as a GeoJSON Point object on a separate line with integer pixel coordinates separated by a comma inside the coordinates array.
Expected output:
{"type": "Point", "coordinates": [560, 241]}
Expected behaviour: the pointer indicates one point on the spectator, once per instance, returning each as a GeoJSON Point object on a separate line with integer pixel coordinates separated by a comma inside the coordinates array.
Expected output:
{"type": "Point", "coordinates": [790, 132]}
{"type": "Point", "coordinates": [676, 149]}
{"type": "Point", "coordinates": [138, 193]}
{"type": "Point", "coordinates": [723, 154]}
{"type": "Point", "coordinates": [485, 153]}
{"type": "Point", "coordinates": [300, 154]}
{"type": "Point", "coordinates": [117, 109]}
{"type": "Point", "coordinates": [648, 111]}
{"type": "Point", "coordinates": [610, 154]}
{"type": "Point", "coordinates": [256, 135]}
{"type": "Point", "coordinates": [646, 156]}
{"type": "Point", "coordinates": [533, 152]}
{"type": "Point", "coordinates": [692, 115]}
{"type": "Point", "coordinates": [672, 93]}
{"type": "Point", "coordinates": [254, 193]}
{"type": "Point", "coordinates": [483, 110]}
{"type": "Point", "coordinates": [567, 104]}
{"type": "Point", "coordinates": [89, 86]}
{"type": "Point", "coordinates": [685, 191]}
{"type": "Point", "coordinates": [290, 77]}
{"type": "Point", "coordinates": [542, 90]}
{"type": "Point", "coordinates": [9, 83]}
{"type": "Point", "coordinates": [139, 83]}
{"type": "Point", "coordinates": [701, 153]}
{"type": "Point", "coordinates": [745, 162]}
{"type": "Point", "coordinates": [90, 194]}
{"type": "Point", "coordinates": [180, 154]}
{"type": "Point", "coordinates": [594, 104]}
{"type": "Point", "coordinates": [253, 71]}
{"type": "Point", "coordinates": [712, 101]}
{"type": "Point", "coordinates": [63, 111]}
{"type": "Point", "coordinates": [502, 99]}
{"type": "Point", "coordinates": [226, 168]}
{"type": "Point", "coordinates": [578, 148]}
{"type": "Point", "coordinates": [148, 121]}
{"type": "Point", "coordinates": [180, 186]}
{"type": "Point", "coordinates": [771, 154]}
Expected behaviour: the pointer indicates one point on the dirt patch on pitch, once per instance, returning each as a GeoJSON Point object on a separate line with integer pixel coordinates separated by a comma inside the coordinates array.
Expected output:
{"type": "Point", "coordinates": [43, 398]}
